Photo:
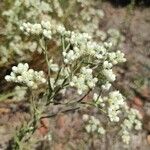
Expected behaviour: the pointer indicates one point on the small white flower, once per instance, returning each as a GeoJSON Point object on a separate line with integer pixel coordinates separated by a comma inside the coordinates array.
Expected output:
{"type": "Point", "coordinates": [88, 128]}
{"type": "Point", "coordinates": [138, 125]}
{"type": "Point", "coordinates": [47, 33]}
{"type": "Point", "coordinates": [46, 25]}
{"type": "Point", "coordinates": [106, 86]}
{"type": "Point", "coordinates": [84, 80]}
{"type": "Point", "coordinates": [93, 125]}
{"type": "Point", "coordinates": [107, 65]}
{"type": "Point", "coordinates": [101, 130]}
{"type": "Point", "coordinates": [80, 91]}
{"type": "Point", "coordinates": [85, 117]}
{"type": "Point", "coordinates": [61, 29]}
{"type": "Point", "coordinates": [109, 75]}
{"type": "Point", "coordinates": [53, 67]}
{"type": "Point", "coordinates": [126, 137]}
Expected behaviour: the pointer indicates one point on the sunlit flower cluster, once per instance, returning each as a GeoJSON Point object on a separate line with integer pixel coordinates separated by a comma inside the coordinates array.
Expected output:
{"type": "Point", "coordinates": [93, 125]}
{"type": "Point", "coordinates": [112, 105]}
{"type": "Point", "coordinates": [106, 86]}
{"type": "Point", "coordinates": [57, 7]}
{"type": "Point", "coordinates": [108, 73]}
{"type": "Point", "coordinates": [116, 57]}
{"type": "Point", "coordinates": [44, 28]}
{"type": "Point", "coordinates": [90, 17]}
{"type": "Point", "coordinates": [78, 41]}
{"type": "Point", "coordinates": [116, 101]}
{"type": "Point", "coordinates": [98, 100]}
{"type": "Point", "coordinates": [17, 44]}
{"type": "Point", "coordinates": [22, 74]}
{"type": "Point", "coordinates": [131, 122]}
{"type": "Point", "coordinates": [19, 93]}
{"type": "Point", "coordinates": [84, 80]}
{"type": "Point", "coordinates": [53, 67]}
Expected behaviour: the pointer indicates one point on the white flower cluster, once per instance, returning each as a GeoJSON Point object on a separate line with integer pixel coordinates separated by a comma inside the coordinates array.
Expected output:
{"type": "Point", "coordinates": [113, 59]}
{"type": "Point", "coordinates": [78, 41]}
{"type": "Point", "coordinates": [98, 100]}
{"type": "Point", "coordinates": [17, 45]}
{"type": "Point", "coordinates": [110, 76]}
{"type": "Point", "coordinates": [101, 34]}
{"type": "Point", "coordinates": [106, 86]}
{"type": "Point", "coordinates": [84, 80]}
{"type": "Point", "coordinates": [93, 125]}
{"type": "Point", "coordinates": [107, 65]}
{"type": "Point", "coordinates": [115, 102]}
{"type": "Point", "coordinates": [116, 57]}
{"type": "Point", "coordinates": [71, 55]}
{"type": "Point", "coordinates": [114, 36]}
{"type": "Point", "coordinates": [82, 45]}
{"type": "Point", "coordinates": [29, 77]}
{"type": "Point", "coordinates": [83, 2]}
{"type": "Point", "coordinates": [90, 17]}
{"type": "Point", "coordinates": [29, 28]}
{"type": "Point", "coordinates": [77, 38]}
{"type": "Point", "coordinates": [132, 121]}
{"type": "Point", "coordinates": [92, 27]}
{"type": "Point", "coordinates": [53, 67]}
{"type": "Point", "coordinates": [43, 6]}
{"type": "Point", "coordinates": [126, 136]}
{"type": "Point", "coordinates": [43, 28]}
{"type": "Point", "coordinates": [58, 8]}
{"type": "Point", "coordinates": [20, 92]}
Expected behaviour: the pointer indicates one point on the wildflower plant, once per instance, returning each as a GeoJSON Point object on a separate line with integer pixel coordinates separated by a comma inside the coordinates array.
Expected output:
{"type": "Point", "coordinates": [84, 65]}
{"type": "Point", "coordinates": [86, 60]}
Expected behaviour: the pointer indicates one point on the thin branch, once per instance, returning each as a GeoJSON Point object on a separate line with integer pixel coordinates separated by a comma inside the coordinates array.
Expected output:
{"type": "Point", "coordinates": [44, 48]}
{"type": "Point", "coordinates": [63, 111]}
{"type": "Point", "coordinates": [84, 96]}
{"type": "Point", "coordinates": [48, 67]}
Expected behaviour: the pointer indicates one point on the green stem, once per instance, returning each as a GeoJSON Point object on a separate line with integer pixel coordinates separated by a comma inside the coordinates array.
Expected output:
{"type": "Point", "coordinates": [5, 96]}
{"type": "Point", "coordinates": [44, 48]}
